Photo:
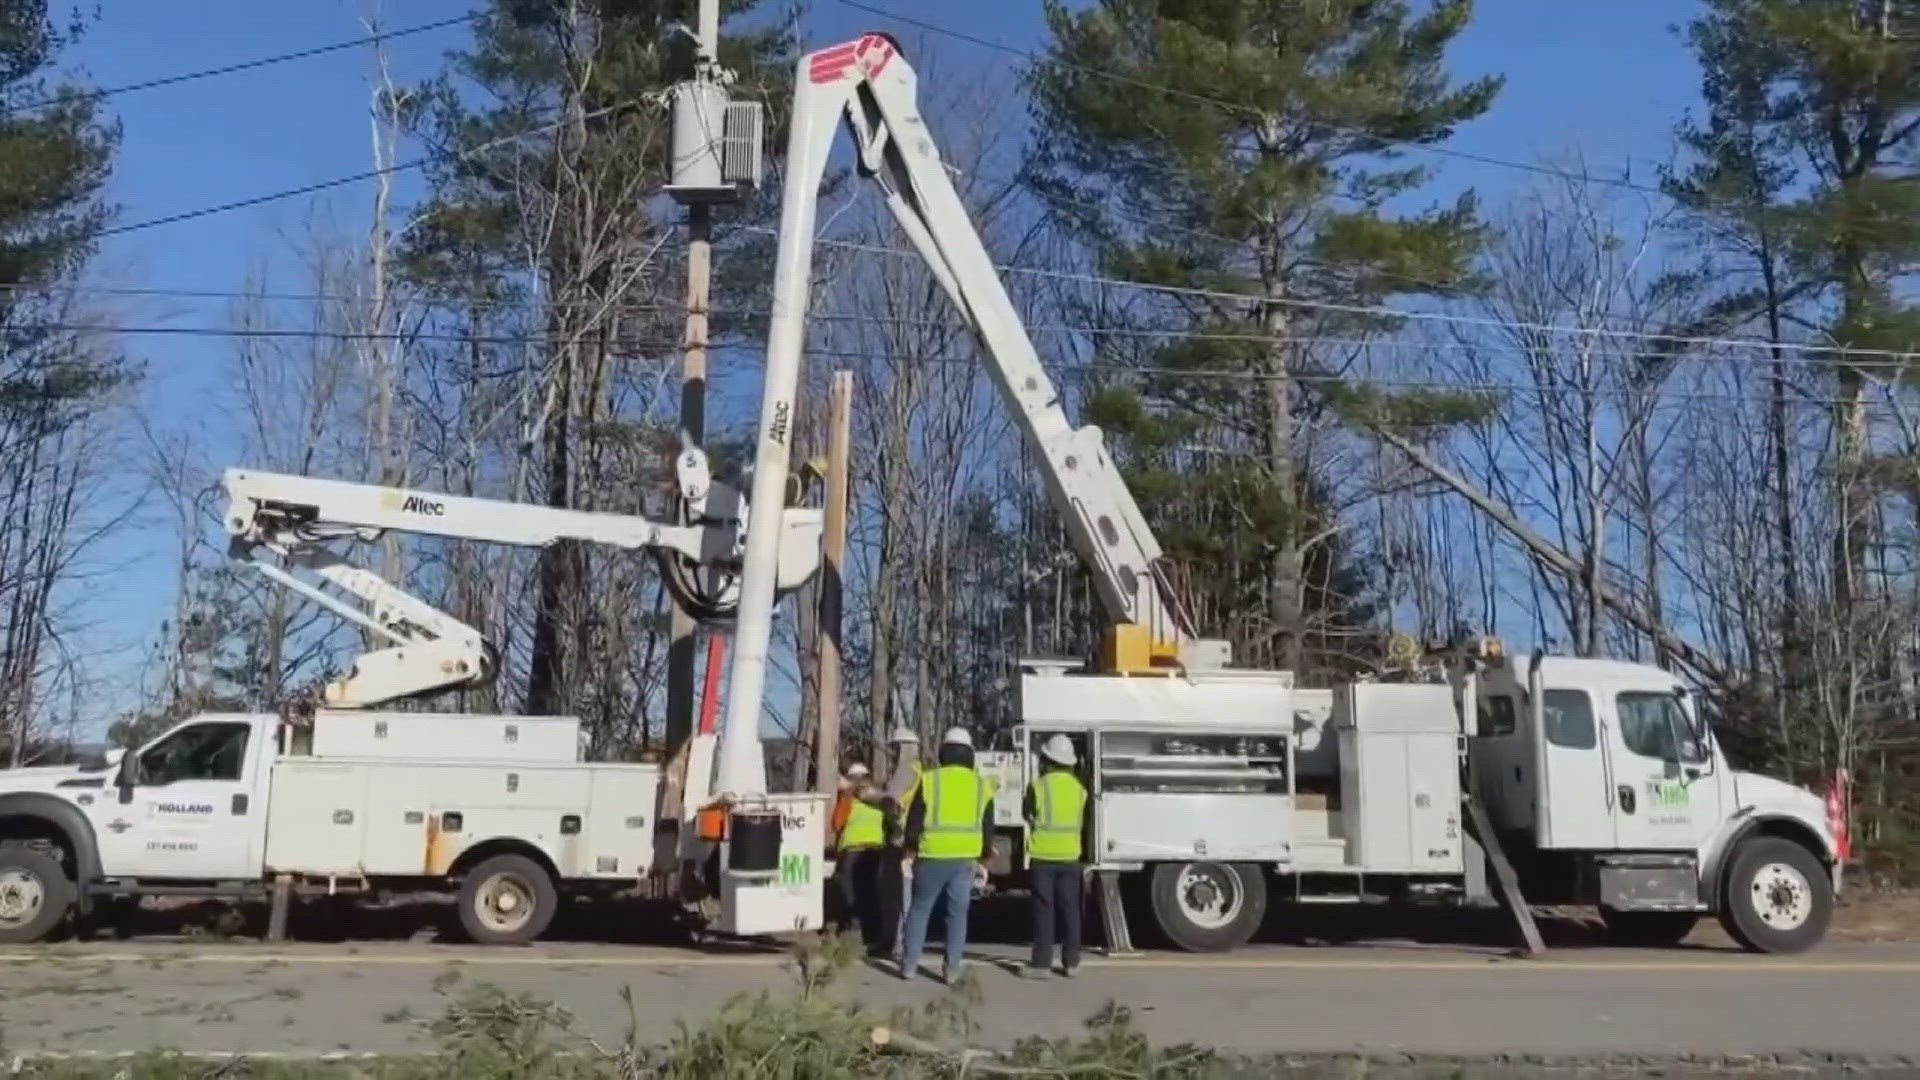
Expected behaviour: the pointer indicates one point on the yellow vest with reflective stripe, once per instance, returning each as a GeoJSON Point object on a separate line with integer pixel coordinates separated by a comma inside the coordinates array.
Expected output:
{"type": "Point", "coordinates": [865, 827]}
{"type": "Point", "coordinates": [1060, 808]}
{"type": "Point", "coordinates": [956, 799]}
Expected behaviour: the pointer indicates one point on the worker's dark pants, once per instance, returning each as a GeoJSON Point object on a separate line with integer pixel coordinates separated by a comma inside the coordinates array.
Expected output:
{"type": "Point", "coordinates": [1056, 907]}
{"type": "Point", "coordinates": [889, 895]}
{"type": "Point", "coordinates": [868, 883]}
{"type": "Point", "coordinates": [848, 867]}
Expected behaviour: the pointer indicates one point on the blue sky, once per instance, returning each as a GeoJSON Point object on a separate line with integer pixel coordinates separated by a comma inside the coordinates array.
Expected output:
{"type": "Point", "coordinates": [1607, 79]}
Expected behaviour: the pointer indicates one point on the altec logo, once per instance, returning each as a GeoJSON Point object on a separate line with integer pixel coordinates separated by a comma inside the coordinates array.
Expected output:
{"type": "Point", "coordinates": [413, 504]}
{"type": "Point", "coordinates": [871, 54]}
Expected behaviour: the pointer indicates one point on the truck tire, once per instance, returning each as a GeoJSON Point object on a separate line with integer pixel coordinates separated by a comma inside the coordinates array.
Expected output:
{"type": "Point", "coordinates": [1777, 897]}
{"type": "Point", "coordinates": [1208, 906]}
{"type": "Point", "coordinates": [507, 900]}
{"type": "Point", "coordinates": [1648, 929]}
{"type": "Point", "coordinates": [35, 895]}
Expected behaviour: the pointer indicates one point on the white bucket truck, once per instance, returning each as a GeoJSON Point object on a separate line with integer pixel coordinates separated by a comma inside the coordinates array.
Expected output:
{"type": "Point", "coordinates": [1212, 786]}
{"type": "Point", "coordinates": [501, 810]}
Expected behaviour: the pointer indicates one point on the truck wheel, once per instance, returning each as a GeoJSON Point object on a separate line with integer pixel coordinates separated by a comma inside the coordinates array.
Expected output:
{"type": "Point", "coordinates": [507, 900]}
{"type": "Point", "coordinates": [35, 896]}
{"type": "Point", "coordinates": [1649, 929]}
{"type": "Point", "coordinates": [1777, 898]}
{"type": "Point", "coordinates": [1208, 906]}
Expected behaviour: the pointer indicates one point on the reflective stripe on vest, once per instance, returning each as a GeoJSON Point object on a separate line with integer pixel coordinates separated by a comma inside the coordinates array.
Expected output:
{"type": "Point", "coordinates": [866, 827]}
{"type": "Point", "coordinates": [956, 798]}
{"type": "Point", "coordinates": [1060, 805]}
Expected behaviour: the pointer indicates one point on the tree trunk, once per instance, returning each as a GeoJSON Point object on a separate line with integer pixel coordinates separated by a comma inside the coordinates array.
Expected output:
{"type": "Point", "coordinates": [1284, 599]}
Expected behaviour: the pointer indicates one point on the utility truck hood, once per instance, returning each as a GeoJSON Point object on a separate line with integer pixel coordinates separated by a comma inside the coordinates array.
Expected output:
{"type": "Point", "coordinates": [50, 777]}
{"type": "Point", "coordinates": [1766, 795]}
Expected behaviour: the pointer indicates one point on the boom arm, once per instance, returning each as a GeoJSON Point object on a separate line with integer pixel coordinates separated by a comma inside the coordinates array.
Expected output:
{"type": "Point", "coordinates": [869, 84]}
{"type": "Point", "coordinates": [431, 651]}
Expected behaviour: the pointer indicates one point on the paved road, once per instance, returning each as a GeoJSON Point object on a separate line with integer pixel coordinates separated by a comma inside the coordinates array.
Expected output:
{"type": "Point", "coordinates": [245, 997]}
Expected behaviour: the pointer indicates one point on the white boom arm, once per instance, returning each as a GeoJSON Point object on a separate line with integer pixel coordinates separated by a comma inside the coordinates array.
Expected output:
{"type": "Point", "coordinates": [296, 516]}
{"type": "Point", "coordinates": [869, 84]}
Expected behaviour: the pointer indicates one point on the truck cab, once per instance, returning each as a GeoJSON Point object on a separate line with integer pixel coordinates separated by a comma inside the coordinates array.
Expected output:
{"type": "Point", "coordinates": [1609, 787]}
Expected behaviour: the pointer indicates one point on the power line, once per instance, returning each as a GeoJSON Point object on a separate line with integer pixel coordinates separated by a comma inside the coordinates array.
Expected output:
{"type": "Point", "coordinates": [1657, 397]}
{"type": "Point", "coordinates": [1848, 356]}
{"type": "Point", "coordinates": [343, 181]}
{"type": "Point", "coordinates": [1766, 349]}
{"type": "Point", "coordinates": [242, 66]}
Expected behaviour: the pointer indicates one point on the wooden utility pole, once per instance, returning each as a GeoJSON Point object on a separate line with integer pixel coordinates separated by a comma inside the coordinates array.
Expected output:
{"type": "Point", "coordinates": [839, 437]}
{"type": "Point", "coordinates": [693, 422]}
{"type": "Point", "coordinates": [693, 371]}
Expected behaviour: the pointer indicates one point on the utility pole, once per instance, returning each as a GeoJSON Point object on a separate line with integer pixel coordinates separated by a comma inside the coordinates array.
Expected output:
{"type": "Point", "coordinates": [826, 756]}
{"type": "Point", "coordinates": [716, 161]}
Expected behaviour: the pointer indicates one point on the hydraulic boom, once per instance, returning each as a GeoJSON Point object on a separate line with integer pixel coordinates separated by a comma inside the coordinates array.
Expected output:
{"type": "Point", "coordinates": [868, 85]}
{"type": "Point", "coordinates": [430, 651]}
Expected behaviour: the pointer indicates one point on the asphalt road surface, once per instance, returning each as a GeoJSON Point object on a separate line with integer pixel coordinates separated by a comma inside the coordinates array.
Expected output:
{"type": "Point", "coordinates": [217, 996]}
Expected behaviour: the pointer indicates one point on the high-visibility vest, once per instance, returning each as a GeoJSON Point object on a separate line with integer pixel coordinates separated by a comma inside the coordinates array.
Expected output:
{"type": "Point", "coordinates": [866, 827]}
{"type": "Point", "coordinates": [1060, 809]}
{"type": "Point", "coordinates": [956, 799]}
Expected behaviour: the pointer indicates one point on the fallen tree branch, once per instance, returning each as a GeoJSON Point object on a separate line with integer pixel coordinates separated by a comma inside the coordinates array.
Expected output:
{"type": "Point", "coordinates": [969, 1061]}
{"type": "Point", "coordinates": [1550, 555]}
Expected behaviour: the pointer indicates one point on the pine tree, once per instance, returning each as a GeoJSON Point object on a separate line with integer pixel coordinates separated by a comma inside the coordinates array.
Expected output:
{"type": "Point", "coordinates": [1249, 150]}
{"type": "Point", "coordinates": [1831, 91]}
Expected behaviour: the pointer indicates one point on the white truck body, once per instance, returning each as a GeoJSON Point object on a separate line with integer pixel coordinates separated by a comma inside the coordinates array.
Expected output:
{"type": "Point", "coordinates": [367, 811]}
{"type": "Point", "coordinates": [1358, 790]}
{"type": "Point", "coordinates": [229, 803]}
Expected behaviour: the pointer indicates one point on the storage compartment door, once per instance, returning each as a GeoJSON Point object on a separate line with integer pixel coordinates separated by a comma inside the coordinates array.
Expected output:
{"type": "Point", "coordinates": [317, 822]}
{"type": "Point", "coordinates": [1163, 827]}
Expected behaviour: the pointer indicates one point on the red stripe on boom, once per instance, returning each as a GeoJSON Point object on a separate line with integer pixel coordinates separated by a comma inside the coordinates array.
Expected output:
{"type": "Point", "coordinates": [829, 64]}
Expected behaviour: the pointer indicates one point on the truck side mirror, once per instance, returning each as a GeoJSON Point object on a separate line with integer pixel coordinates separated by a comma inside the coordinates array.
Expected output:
{"type": "Point", "coordinates": [127, 776]}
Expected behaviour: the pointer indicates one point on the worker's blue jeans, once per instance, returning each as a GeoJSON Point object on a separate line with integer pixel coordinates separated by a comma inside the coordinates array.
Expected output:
{"type": "Point", "coordinates": [933, 880]}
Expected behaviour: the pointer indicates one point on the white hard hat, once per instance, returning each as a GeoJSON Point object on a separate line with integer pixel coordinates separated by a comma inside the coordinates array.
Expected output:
{"type": "Point", "coordinates": [903, 734]}
{"type": "Point", "coordinates": [958, 736]}
{"type": "Point", "coordinates": [857, 770]}
{"type": "Point", "coordinates": [1058, 749]}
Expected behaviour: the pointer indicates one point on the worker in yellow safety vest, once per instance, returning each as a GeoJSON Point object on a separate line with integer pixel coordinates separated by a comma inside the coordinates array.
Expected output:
{"type": "Point", "coordinates": [860, 836]}
{"type": "Point", "coordinates": [846, 796]}
{"type": "Point", "coordinates": [948, 833]}
{"type": "Point", "coordinates": [1055, 808]}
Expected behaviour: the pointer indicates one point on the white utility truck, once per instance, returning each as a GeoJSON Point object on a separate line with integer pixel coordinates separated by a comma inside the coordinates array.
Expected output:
{"type": "Point", "coordinates": [500, 809]}
{"type": "Point", "coordinates": [1214, 787]}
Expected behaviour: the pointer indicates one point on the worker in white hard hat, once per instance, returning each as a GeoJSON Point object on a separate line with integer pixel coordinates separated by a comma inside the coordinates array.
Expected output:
{"type": "Point", "coordinates": [1055, 808]}
{"type": "Point", "coordinates": [949, 832]}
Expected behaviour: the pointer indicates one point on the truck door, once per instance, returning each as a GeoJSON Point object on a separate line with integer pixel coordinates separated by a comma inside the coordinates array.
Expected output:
{"type": "Point", "coordinates": [1575, 788]}
{"type": "Point", "coordinates": [1667, 792]}
{"type": "Point", "coordinates": [191, 810]}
